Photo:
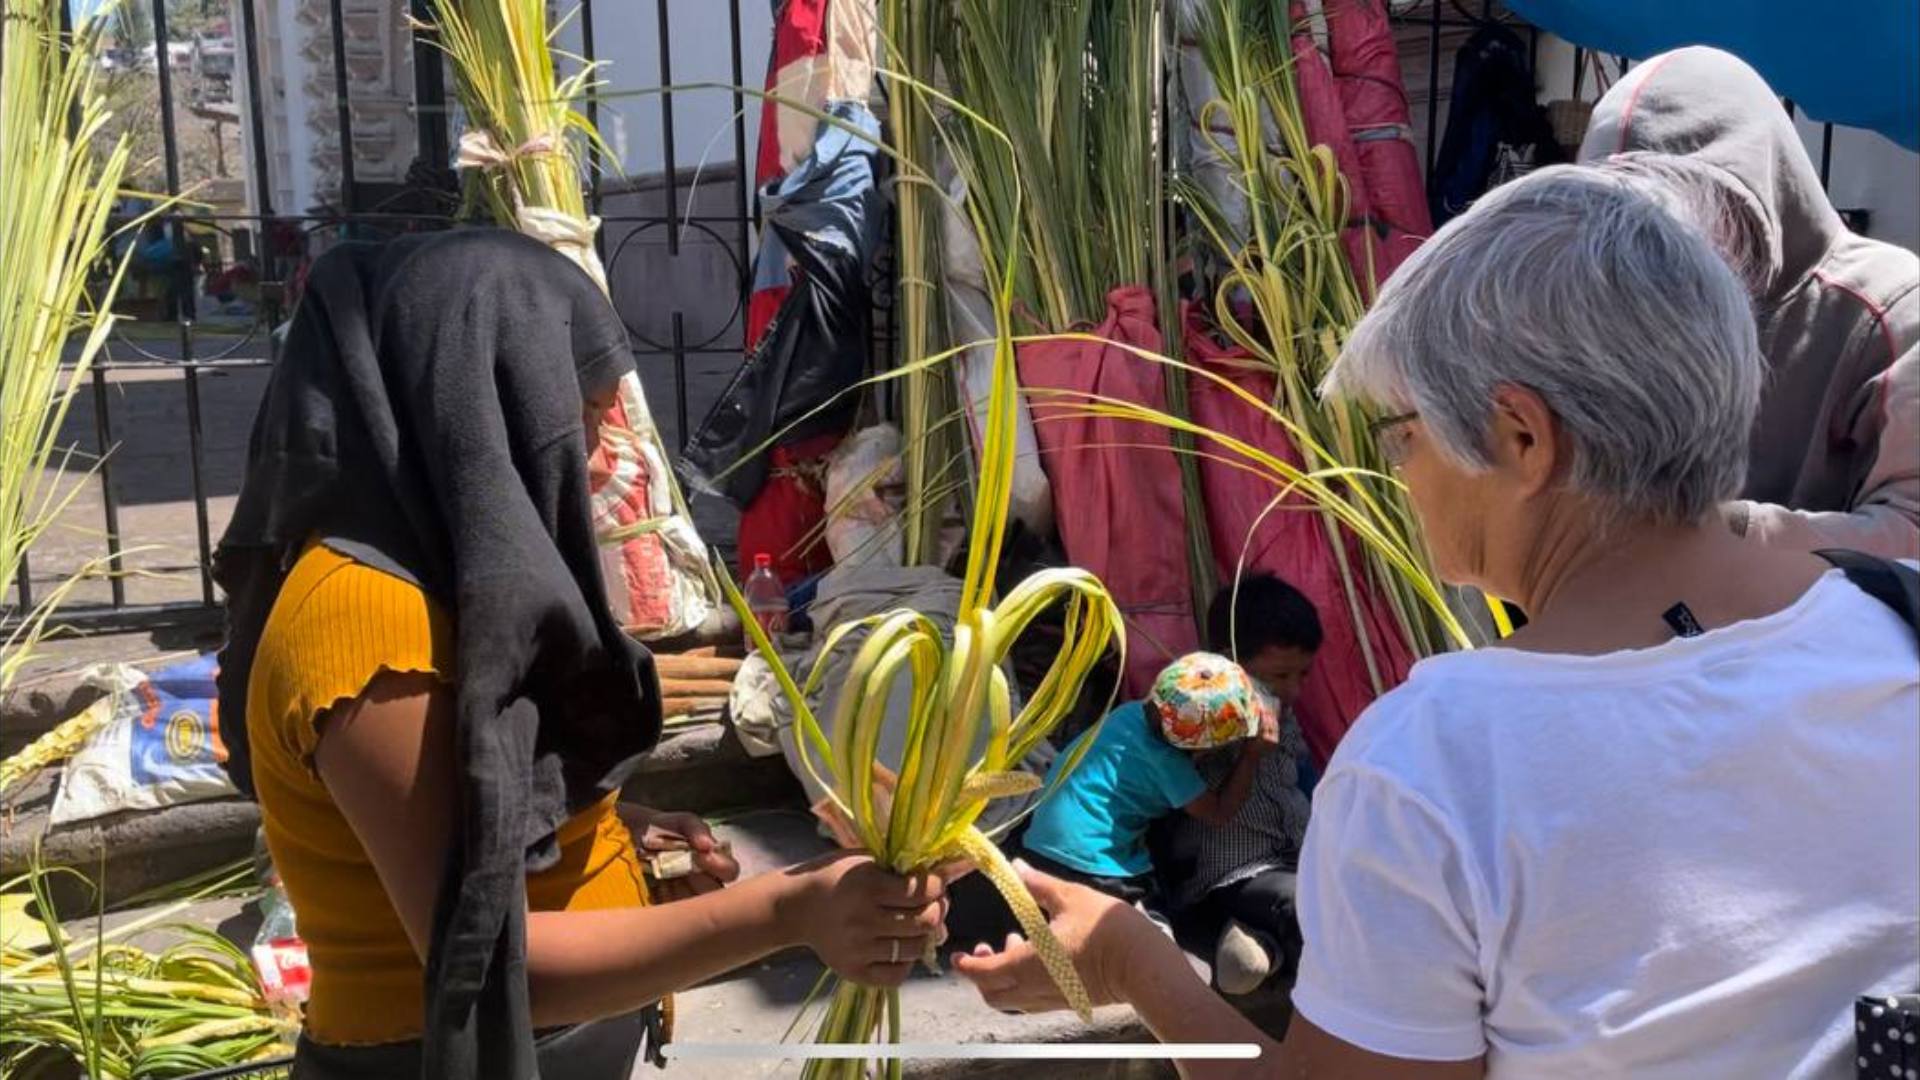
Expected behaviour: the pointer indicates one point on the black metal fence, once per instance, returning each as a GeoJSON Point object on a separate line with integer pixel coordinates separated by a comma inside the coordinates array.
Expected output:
{"type": "Point", "coordinates": [270, 246]}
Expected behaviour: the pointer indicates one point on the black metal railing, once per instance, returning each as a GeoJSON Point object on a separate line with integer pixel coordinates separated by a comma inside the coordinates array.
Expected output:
{"type": "Point", "coordinates": [278, 242]}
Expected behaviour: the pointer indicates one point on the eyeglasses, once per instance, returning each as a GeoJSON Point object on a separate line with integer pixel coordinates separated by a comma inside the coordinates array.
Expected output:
{"type": "Point", "coordinates": [1390, 434]}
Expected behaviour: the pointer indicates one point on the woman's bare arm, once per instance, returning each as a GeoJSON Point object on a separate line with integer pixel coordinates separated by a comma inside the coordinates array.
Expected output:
{"type": "Point", "coordinates": [1122, 957]}
{"type": "Point", "coordinates": [388, 761]}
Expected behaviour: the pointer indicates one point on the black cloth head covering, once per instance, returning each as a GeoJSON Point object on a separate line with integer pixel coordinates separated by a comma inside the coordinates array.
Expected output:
{"type": "Point", "coordinates": [427, 407]}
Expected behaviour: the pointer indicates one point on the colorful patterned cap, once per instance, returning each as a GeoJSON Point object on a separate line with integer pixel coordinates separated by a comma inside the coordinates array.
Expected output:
{"type": "Point", "coordinates": [1203, 701]}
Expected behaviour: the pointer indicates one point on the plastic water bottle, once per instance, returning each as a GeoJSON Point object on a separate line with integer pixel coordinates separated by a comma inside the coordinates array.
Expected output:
{"type": "Point", "coordinates": [279, 956]}
{"type": "Point", "coordinates": [766, 598]}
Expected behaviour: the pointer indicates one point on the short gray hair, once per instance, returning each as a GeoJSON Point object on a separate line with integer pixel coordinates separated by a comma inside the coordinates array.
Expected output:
{"type": "Point", "coordinates": [1598, 290]}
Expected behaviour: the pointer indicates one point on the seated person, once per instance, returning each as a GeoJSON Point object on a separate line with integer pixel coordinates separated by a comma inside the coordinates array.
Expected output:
{"type": "Point", "coordinates": [1229, 888]}
{"type": "Point", "coordinates": [1138, 765]}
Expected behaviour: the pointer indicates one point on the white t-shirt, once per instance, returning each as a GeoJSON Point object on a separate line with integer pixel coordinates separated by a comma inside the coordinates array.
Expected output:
{"type": "Point", "coordinates": [1685, 861]}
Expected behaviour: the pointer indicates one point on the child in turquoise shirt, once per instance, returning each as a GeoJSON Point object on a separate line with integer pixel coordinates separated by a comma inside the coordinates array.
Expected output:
{"type": "Point", "coordinates": [1140, 766]}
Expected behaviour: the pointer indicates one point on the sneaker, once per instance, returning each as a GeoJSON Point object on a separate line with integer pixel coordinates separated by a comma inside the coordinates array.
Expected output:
{"type": "Point", "coordinates": [1241, 961]}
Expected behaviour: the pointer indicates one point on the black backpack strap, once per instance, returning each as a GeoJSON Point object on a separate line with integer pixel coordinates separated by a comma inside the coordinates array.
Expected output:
{"type": "Point", "coordinates": [1894, 584]}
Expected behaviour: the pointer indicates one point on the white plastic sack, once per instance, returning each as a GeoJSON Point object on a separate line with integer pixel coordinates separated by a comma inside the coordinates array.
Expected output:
{"type": "Point", "coordinates": [970, 318]}
{"type": "Point", "coordinates": [866, 483]}
{"type": "Point", "coordinates": [161, 746]}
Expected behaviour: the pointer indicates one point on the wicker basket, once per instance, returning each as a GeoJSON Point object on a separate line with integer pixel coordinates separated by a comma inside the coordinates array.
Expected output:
{"type": "Point", "coordinates": [1569, 117]}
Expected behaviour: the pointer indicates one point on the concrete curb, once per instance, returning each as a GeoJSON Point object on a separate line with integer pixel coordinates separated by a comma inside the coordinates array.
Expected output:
{"type": "Point", "coordinates": [700, 769]}
{"type": "Point", "coordinates": [130, 853]}
{"type": "Point", "coordinates": [703, 769]}
{"type": "Point", "coordinates": [28, 712]}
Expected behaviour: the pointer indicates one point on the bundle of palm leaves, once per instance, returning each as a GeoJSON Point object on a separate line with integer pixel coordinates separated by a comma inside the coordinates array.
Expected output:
{"type": "Point", "coordinates": [926, 394]}
{"type": "Point", "coordinates": [521, 149]}
{"type": "Point", "coordinates": [522, 153]}
{"type": "Point", "coordinates": [1283, 256]}
{"type": "Point", "coordinates": [963, 737]}
{"type": "Point", "coordinates": [123, 1012]}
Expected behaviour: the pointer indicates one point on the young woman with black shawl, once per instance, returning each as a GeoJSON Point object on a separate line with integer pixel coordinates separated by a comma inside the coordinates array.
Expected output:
{"type": "Point", "coordinates": [425, 690]}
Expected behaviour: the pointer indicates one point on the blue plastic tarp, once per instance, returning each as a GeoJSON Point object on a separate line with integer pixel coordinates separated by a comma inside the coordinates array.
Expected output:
{"type": "Point", "coordinates": [1854, 63]}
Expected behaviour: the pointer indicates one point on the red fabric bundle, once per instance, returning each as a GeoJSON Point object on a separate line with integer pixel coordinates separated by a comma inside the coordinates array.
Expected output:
{"type": "Point", "coordinates": [1292, 543]}
{"type": "Point", "coordinates": [1116, 483]}
{"type": "Point", "coordinates": [1353, 100]}
{"type": "Point", "coordinates": [784, 519]}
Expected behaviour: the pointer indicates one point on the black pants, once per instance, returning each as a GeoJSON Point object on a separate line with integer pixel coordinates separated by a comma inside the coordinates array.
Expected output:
{"type": "Point", "coordinates": [977, 913]}
{"type": "Point", "coordinates": [1139, 889]}
{"type": "Point", "coordinates": [599, 1050]}
{"type": "Point", "coordinates": [1262, 903]}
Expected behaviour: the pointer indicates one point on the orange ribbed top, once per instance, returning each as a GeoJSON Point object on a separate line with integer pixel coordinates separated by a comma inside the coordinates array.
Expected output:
{"type": "Point", "coordinates": [335, 625]}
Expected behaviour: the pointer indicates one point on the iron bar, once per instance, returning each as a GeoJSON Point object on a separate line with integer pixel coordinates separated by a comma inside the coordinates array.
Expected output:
{"type": "Point", "coordinates": [429, 94]}
{"type": "Point", "coordinates": [110, 504]}
{"type": "Point", "coordinates": [23, 582]}
{"type": "Point", "coordinates": [666, 131]}
{"type": "Point", "coordinates": [680, 378]}
{"type": "Point", "coordinates": [262, 173]}
{"type": "Point", "coordinates": [342, 104]}
{"type": "Point", "coordinates": [742, 167]}
{"type": "Point", "coordinates": [182, 308]}
{"type": "Point", "coordinates": [1433, 87]}
{"type": "Point", "coordinates": [196, 468]}
{"type": "Point", "coordinates": [590, 55]}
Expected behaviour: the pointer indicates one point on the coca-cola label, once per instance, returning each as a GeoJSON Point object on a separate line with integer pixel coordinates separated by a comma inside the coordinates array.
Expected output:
{"type": "Point", "coordinates": [285, 973]}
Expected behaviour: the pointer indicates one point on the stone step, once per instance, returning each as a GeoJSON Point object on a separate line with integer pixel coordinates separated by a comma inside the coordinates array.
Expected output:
{"type": "Point", "coordinates": [702, 769]}
{"type": "Point", "coordinates": [127, 854]}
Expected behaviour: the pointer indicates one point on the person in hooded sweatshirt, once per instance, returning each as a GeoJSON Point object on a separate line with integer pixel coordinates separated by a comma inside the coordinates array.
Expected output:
{"type": "Point", "coordinates": [1835, 459]}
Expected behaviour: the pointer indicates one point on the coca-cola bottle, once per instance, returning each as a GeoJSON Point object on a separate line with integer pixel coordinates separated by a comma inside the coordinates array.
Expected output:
{"type": "Point", "coordinates": [766, 598]}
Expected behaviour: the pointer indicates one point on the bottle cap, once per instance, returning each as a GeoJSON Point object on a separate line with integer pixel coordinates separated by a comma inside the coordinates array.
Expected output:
{"type": "Point", "coordinates": [763, 561]}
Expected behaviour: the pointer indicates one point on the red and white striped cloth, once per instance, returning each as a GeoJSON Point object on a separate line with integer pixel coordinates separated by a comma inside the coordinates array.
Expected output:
{"type": "Point", "coordinates": [822, 51]}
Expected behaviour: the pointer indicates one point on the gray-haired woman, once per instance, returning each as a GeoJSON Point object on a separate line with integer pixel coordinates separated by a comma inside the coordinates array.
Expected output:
{"type": "Point", "coordinates": [1672, 827]}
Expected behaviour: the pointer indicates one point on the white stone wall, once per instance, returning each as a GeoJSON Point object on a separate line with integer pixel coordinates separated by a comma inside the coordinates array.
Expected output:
{"type": "Point", "coordinates": [627, 41]}
{"type": "Point", "coordinates": [302, 116]}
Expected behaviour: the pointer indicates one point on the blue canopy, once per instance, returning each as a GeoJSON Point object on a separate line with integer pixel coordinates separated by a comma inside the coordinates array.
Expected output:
{"type": "Point", "coordinates": [1856, 62]}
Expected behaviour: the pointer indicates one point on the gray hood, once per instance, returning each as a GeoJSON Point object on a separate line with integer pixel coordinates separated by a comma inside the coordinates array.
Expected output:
{"type": "Point", "coordinates": [1710, 106]}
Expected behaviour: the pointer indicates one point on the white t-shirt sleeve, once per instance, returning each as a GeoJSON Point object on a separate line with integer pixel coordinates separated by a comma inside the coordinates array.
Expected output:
{"type": "Point", "coordinates": [1390, 962]}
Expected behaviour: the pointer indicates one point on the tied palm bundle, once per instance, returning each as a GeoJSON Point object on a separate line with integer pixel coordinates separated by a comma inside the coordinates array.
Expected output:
{"type": "Point", "coordinates": [912, 27]}
{"type": "Point", "coordinates": [522, 155]}
{"type": "Point", "coordinates": [1075, 87]}
{"type": "Point", "coordinates": [963, 737]}
{"type": "Point", "coordinates": [521, 147]}
{"type": "Point", "coordinates": [1071, 86]}
{"type": "Point", "coordinates": [57, 189]}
